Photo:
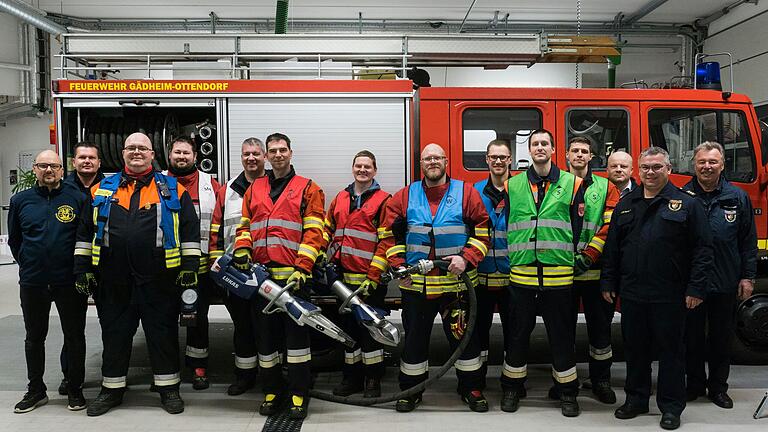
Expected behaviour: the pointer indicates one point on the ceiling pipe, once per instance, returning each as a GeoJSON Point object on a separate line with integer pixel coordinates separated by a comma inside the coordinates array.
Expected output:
{"type": "Point", "coordinates": [722, 12]}
{"type": "Point", "coordinates": [644, 11]}
{"type": "Point", "coordinates": [25, 13]}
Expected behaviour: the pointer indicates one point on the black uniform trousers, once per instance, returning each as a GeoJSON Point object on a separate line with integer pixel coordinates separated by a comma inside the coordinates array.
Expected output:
{"type": "Point", "coordinates": [196, 352]}
{"type": "Point", "coordinates": [276, 331]}
{"type": "Point", "coordinates": [366, 358]}
{"type": "Point", "coordinates": [418, 314]}
{"type": "Point", "coordinates": [36, 307]}
{"type": "Point", "coordinates": [556, 308]}
{"type": "Point", "coordinates": [243, 338]}
{"type": "Point", "coordinates": [709, 333]}
{"type": "Point", "coordinates": [119, 322]}
{"type": "Point", "coordinates": [647, 329]}
{"type": "Point", "coordinates": [599, 315]}
{"type": "Point", "coordinates": [488, 302]}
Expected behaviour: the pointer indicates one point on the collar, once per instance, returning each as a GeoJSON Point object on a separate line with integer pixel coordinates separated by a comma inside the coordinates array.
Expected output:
{"type": "Point", "coordinates": [271, 175]}
{"type": "Point", "coordinates": [667, 192]}
{"type": "Point", "coordinates": [424, 182]}
{"type": "Point", "coordinates": [44, 191]}
{"type": "Point", "coordinates": [696, 187]}
{"type": "Point", "coordinates": [553, 176]}
{"type": "Point", "coordinates": [371, 189]}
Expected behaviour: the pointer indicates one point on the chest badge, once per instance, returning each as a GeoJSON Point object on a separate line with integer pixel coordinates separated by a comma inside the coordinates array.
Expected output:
{"type": "Point", "coordinates": [65, 214]}
{"type": "Point", "coordinates": [730, 216]}
{"type": "Point", "coordinates": [675, 205]}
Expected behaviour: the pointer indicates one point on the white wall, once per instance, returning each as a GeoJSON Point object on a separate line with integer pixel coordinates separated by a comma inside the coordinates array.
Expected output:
{"type": "Point", "coordinates": [9, 53]}
{"type": "Point", "coordinates": [745, 41]}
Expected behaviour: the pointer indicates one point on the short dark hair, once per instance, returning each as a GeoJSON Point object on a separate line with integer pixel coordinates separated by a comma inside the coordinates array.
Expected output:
{"type": "Point", "coordinates": [542, 131]}
{"type": "Point", "coordinates": [86, 144]}
{"type": "Point", "coordinates": [365, 153]}
{"type": "Point", "coordinates": [277, 136]}
{"type": "Point", "coordinates": [500, 143]}
{"type": "Point", "coordinates": [580, 140]}
{"type": "Point", "coordinates": [185, 140]}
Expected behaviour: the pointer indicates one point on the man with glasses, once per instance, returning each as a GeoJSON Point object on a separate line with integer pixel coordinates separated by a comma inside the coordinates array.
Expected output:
{"type": "Point", "coordinates": [600, 197]}
{"type": "Point", "coordinates": [142, 239]}
{"type": "Point", "coordinates": [734, 238]}
{"type": "Point", "coordinates": [437, 218]}
{"type": "Point", "coordinates": [657, 260]}
{"type": "Point", "coordinates": [493, 270]}
{"type": "Point", "coordinates": [547, 206]}
{"type": "Point", "coordinates": [42, 224]}
{"type": "Point", "coordinates": [282, 228]}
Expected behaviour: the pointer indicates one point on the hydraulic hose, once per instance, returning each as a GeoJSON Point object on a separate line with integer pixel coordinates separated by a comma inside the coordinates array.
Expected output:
{"type": "Point", "coordinates": [363, 401]}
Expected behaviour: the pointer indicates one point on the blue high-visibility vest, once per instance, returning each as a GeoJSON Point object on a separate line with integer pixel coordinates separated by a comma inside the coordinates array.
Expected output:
{"type": "Point", "coordinates": [497, 258]}
{"type": "Point", "coordinates": [445, 233]}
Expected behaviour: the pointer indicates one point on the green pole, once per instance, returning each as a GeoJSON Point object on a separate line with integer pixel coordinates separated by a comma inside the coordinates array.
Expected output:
{"type": "Point", "coordinates": [281, 16]}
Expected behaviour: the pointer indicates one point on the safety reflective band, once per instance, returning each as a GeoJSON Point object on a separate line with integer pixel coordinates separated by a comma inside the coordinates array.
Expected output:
{"type": "Point", "coordinates": [312, 222]}
{"type": "Point", "coordinates": [552, 276]}
{"type": "Point", "coordinates": [308, 251]}
{"type": "Point", "coordinates": [607, 215]}
{"type": "Point", "coordinates": [244, 221]}
{"type": "Point", "coordinates": [203, 265]}
{"type": "Point", "coordinates": [215, 227]}
{"type": "Point", "coordinates": [379, 263]}
{"type": "Point", "coordinates": [600, 353]}
{"type": "Point", "coordinates": [468, 365]}
{"type": "Point", "coordinates": [351, 358]}
{"type": "Point", "coordinates": [83, 248]}
{"type": "Point", "coordinates": [541, 245]}
{"type": "Point", "coordinates": [193, 352]}
{"type": "Point", "coordinates": [371, 237]}
{"type": "Point", "coordinates": [565, 376]}
{"type": "Point", "coordinates": [484, 356]}
{"type": "Point", "coordinates": [113, 382]}
{"type": "Point", "coordinates": [541, 223]}
{"type": "Point", "coordinates": [269, 241]}
{"type": "Point", "coordinates": [384, 233]}
{"type": "Point", "coordinates": [357, 252]}
{"type": "Point", "coordinates": [354, 278]}
{"type": "Point", "coordinates": [269, 360]}
{"type": "Point", "coordinates": [373, 357]}
{"type": "Point", "coordinates": [245, 235]}
{"type": "Point", "coordinates": [483, 232]}
{"type": "Point", "coordinates": [515, 372]}
{"type": "Point", "coordinates": [590, 226]}
{"type": "Point", "coordinates": [190, 249]}
{"type": "Point", "coordinates": [493, 280]}
{"type": "Point", "coordinates": [216, 253]}
{"type": "Point", "coordinates": [246, 362]}
{"type": "Point", "coordinates": [597, 243]}
{"type": "Point", "coordinates": [414, 369]}
{"type": "Point", "coordinates": [394, 250]}
{"type": "Point", "coordinates": [167, 379]}
{"type": "Point", "coordinates": [281, 273]}
{"type": "Point", "coordinates": [95, 255]}
{"type": "Point", "coordinates": [172, 258]}
{"type": "Point", "coordinates": [589, 275]}
{"type": "Point", "coordinates": [440, 283]}
{"type": "Point", "coordinates": [301, 355]}
{"type": "Point", "coordinates": [478, 244]}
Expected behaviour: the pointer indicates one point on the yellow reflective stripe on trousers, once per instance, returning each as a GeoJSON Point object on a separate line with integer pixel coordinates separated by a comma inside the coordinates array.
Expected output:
{"type": "Point", "coordinates": [351, 358]}
{"type": "Point", "coordinates": [565, 376]}
{"type": "Point", "coordinates": [414, 369]}
{"type": "Point", "coordinates": [269, 360]}
{"type": "Point", "coordinates": [515, 372]}
{"type": "Point", "coordinates": [167, 379]}
{"type": "Point", "coordinates": [373, 357]}
{"type": "Point", "coordinates": [113, 382]}
{"type": "Point", "coordinates": [301, 355]}
{"type": "Point", "coordinates": [246, 362]}
{"type": "Point", "coordinates": [600, 353]}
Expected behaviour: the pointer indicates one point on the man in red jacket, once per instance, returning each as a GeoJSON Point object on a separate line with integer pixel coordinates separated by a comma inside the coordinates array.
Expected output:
{"type": "Point", "coordinates": [282, 228]}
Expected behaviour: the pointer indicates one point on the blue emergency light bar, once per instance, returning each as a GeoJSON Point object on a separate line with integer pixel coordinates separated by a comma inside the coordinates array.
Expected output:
{"type": "Point", "coordinates": [708, 76]}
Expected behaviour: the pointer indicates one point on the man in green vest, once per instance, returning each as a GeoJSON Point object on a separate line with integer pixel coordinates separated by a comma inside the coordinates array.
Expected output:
{"type": "Point", "coordinates": [545, 213]}
{"type": "Point", "coordinates": [600, 197]}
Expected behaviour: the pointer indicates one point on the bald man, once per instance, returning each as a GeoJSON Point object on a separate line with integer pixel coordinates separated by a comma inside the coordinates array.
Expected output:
{"type": "Point", "coordinates": [145, 247]}
{"type": "Point", "coordinates": [42, 223]}
{"type": "Point", "coordinates": [437, 218]}
{"type": "Point", "coordinates": [620, 171]}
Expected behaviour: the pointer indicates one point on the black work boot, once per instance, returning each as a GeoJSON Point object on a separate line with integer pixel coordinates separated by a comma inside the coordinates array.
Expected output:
{"type": "Point", "coordinates": [372, 388]}
{"type": "Point", "coordinates": [510, 401]}
{"type": "Point", "coordinates": [171, 401]}
{"type": "Point", "coordinates": [63, 387]}
{"type": "Point", "coordinates": [603, 392]}
{"type": "Point", "coordinates": [241, 385]}
{"type": "Point", "coordinates": [569, 406]}
{"type": "Point", "coordinates": [408, 404]}
{"type": "Point", "coordinates": [200, 379]}
{"type": "Point", "coordinates": [476, 401]}
{"type": "Point", "coordinates": [105, 401]}
{"type": "Point", "coordinates": [271, 404]}
{"type": "Point", "coordinates": [348, 386]}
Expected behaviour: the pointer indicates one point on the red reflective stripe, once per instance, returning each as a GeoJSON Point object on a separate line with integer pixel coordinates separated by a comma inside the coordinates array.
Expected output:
{"type": "Point", "coordinates": [362, 220]}
{"type": "Point", "coordinates": [287, 207]}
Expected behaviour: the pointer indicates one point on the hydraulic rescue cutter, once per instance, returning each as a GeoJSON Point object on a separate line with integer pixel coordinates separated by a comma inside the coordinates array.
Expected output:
{"type": "Point", "coordinates": [246, 284]}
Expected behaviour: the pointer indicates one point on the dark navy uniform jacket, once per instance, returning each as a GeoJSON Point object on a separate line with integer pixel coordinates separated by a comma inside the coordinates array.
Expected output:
{"type": "Point", "coordinates": [42, 225]}
{"type": "Point", "coordinates": [734, 236]}
{"type": "Point", "coordinates": [658, 250]}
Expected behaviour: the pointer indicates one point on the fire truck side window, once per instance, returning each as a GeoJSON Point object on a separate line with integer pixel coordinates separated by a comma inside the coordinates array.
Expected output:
{"type": "Point", "coordinates": [679, 131]}
{"type": "Point", "coordinates": [483, 125]}
{"type": "Point", "coordinates": [607, 129]}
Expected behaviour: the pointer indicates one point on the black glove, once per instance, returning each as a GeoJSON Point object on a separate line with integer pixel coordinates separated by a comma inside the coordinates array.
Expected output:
{"type": "Point", "coordinates": [242, 259]}
{"type": "Point", "coordinates": [86, 283]}
{"type": "Point", "coordinates": [581, 264]}
{"type": "Point", "coordinates": [186, 279]}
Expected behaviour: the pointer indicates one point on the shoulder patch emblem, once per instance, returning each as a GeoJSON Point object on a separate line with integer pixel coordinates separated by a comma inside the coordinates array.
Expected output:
{"type": "Point", "coordinates": [65, 214]}
{"type": "Point", "coordinates": [675, 205]}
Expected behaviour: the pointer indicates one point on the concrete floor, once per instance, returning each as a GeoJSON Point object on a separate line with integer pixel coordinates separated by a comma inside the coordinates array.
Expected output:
{"type": "Point", "coordinates": [213, 410]}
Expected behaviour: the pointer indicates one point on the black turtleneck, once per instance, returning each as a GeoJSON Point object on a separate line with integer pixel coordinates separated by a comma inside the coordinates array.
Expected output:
{"type": "Point", "coordinates": [277, 185]}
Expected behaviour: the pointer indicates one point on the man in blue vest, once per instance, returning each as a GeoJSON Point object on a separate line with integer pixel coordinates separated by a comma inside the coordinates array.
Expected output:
{"type": "Point", "coordinates": [42, 223]}
{"type": "Point", "coordinates": [138, 257]}
{"type": "Point", "coordinates": [734, 238]}
{"type": "Point", "coordinates": [493, 270]}
{"type": "Point", "coordinates": [436, 218]}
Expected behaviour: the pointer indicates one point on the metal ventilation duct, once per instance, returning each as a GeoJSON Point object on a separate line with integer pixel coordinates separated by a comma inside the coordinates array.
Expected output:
{"type": "Point", "coordinates": [26, 13]}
